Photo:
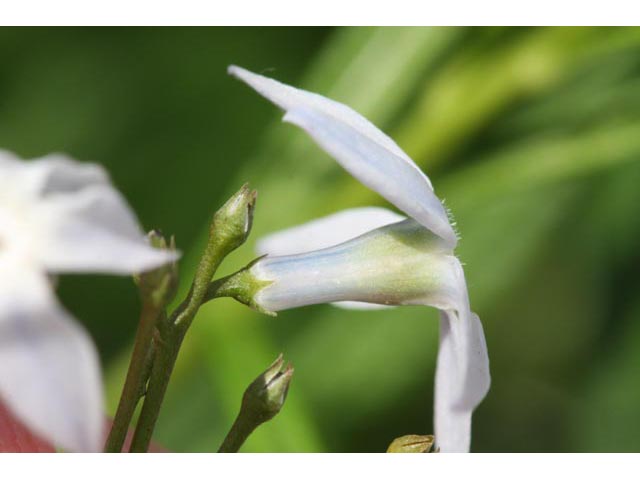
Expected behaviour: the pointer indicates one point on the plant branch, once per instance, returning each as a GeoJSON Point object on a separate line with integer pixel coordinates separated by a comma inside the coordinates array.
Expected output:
{"type": "Point", "coordinates": [166, 354]}
{"type": "Point", "coordinates": [137, 377]}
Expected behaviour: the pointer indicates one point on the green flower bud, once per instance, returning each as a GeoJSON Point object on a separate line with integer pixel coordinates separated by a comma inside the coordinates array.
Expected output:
{"type": "Point", "coordinates": [265, 396]}
{"type": "Point", "coordinates": [262, 400]}
{"type": "Point", "coordinates": [231, 224]}
{"type": "Point", "coordinates": [159, 286]}
{"type": "Point", "coordinates": [411, 444]}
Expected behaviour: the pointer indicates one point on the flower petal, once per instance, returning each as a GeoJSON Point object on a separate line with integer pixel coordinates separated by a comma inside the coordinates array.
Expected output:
{"type": "Point", "coordinates": [361, 148]}
{"type": "Point", "coordinates": [462, 378]}
{"type": "Point", "coordinates": [84, 224]}
{"type": "Point", "coordinates": [326, 231]}
{"type": "Point", "coordinates": [49, 371]}
{"type": "Point", "coordinates": [73, 219]}
{"type": "Point", "coordinates": [54, 173]}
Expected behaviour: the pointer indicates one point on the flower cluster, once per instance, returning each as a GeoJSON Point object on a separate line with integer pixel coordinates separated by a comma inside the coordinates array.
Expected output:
{"type": "Point", "coordinates": [60, 216]}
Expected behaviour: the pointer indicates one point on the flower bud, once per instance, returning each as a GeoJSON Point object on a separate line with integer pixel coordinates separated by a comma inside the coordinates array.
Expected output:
{"type": "Point", "coordinates": [265, 396]}
{"type": "Point", "coordinates": [262, 400]}
{"type": "Point", "coordinates": [411, 444]}
{"type": "Point", "coordinates": [159, 286]}
{"type": "Point", "coordinates": [231, 224]}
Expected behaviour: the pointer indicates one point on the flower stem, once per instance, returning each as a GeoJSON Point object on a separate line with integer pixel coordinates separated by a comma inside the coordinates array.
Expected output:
{"type": "Point", "coordinates": [229, 229]}
{"type": "Point", "coordinates": [240, 431]}
{"type": "Point", "coordinates": [166, 354]}
{"type": "Point", "coordinates": [137, 377]}
{"type": "Point", "coordinates": [168, 344]}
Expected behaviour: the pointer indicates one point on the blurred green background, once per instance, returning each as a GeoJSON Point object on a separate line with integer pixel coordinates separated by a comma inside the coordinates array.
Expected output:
{"type": "Point", "coordinates": [531, 135]}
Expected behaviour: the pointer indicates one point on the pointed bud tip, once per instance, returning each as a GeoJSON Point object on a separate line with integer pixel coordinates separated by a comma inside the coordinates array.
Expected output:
{"type": "Point", "coordinates": [288, 371]}
{"type": "Point", "coordinates": [156, 239]}
{"type": "Point", "coordinates": [243, 197]}
{"type": "Point", "coordinates": [266, 395]}
{"type": "Point", "coordinates": [159, 286]}
{"type": "Point", "coordinates": [273, 370]}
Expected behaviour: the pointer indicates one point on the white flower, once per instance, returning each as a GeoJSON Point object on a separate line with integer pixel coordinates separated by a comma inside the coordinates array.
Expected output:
{"type": "Point", "coordinates": [58, 216]}
{"type": "Point", "coordinates": [390, 261]}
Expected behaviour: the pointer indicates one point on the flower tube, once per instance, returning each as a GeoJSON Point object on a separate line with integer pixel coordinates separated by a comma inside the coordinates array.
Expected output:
{"type": "Point", "coordinates": [399, 264]}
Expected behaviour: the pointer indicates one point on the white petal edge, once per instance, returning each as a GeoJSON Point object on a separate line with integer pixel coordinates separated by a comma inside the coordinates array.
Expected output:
{"type": "Point", "coordinates": [361, 148]}
{"type": "Point", "coordinates": [49, 369]}
{"type": "Point", "coordinates": [288, 98]}
{"type": "Point", "coordinates": [53, 173]}
{"type": "Point", "coordinates": [326, 231]}
{"type": "Point", "coordinates": [364, 306]}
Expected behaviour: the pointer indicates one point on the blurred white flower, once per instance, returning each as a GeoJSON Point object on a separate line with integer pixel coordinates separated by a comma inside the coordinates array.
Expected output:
{"type": "Point", "coordinates": [58, 216]}
{"type": "Point", "coordinates": [390, 262]}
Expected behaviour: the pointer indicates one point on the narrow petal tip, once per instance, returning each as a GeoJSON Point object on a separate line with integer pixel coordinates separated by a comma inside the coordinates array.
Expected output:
{"type": "Point", "coordinates": [236, 71]}
{"type": "Point", "coordinates": [360, 147]}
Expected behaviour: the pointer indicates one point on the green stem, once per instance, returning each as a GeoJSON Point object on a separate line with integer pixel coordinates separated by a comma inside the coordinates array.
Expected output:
{"type": "Point", "coordinates": [169, 344]}
{"type": "Point", "coordinates": [240, 431]}
{"type": "Point", "coordinates": [137, 376]}
{"type": "Point", "coordinates": [166, 354]}
{"type": "Point", "coordinates": [209, 263]}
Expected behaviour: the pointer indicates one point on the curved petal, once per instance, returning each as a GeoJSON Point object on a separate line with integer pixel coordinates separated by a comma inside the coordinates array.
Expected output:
{"type": "Point", "coordinates": [361, 148]}
{"type": "Point", "coordinates": [326, 231]}
{"type": "Point", "coordinates": [462, 377]}
{"type": "Point", "coordinates": [49, 371]}
{"type": "Point", "coordinates": [93, 230]}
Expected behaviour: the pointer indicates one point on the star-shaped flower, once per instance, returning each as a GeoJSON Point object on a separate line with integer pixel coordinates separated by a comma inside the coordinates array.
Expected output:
{"type": "Point", "coordinates": [58, 216]}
